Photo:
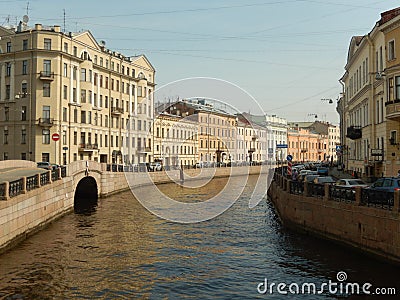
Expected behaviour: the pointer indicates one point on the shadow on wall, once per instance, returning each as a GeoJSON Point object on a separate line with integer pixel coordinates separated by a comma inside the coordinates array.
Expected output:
{"type": "Point", "coordinates": [86, 196]}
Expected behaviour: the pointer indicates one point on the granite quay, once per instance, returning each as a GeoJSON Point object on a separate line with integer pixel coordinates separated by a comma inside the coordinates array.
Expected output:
{"type": "Point", "coordinates": [354, 217]}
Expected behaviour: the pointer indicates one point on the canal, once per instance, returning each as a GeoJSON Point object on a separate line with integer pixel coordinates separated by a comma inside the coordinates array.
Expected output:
{"type": "Point", "coordinates": [119, 250]}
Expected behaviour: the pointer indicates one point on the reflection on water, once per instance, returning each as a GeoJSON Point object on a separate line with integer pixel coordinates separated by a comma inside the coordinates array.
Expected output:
{"type": "Point", "coordinates": [122, 251]}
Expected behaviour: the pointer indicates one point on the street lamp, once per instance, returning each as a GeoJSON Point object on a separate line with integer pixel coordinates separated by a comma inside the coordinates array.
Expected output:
{"type": "Point", "coordinates": [315, 115]}
{"type": "Point", "coordinates": [330, 101]}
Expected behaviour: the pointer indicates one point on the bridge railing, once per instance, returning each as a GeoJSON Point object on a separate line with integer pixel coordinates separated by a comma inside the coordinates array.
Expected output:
{"type": "Point", "coordinates": [29, 183]}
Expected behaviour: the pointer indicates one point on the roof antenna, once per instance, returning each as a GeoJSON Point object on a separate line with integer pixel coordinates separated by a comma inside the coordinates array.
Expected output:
{"type": "Point", "coordinates": [64, 19]}
{"type": "Point", "coordinates": [27, 8]}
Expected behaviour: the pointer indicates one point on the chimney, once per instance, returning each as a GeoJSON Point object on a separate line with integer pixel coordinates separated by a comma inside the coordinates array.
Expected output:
{"type": "Point", "coordinates": [38, 27]}
{"type": "Point", "coordinates": [57, 28]}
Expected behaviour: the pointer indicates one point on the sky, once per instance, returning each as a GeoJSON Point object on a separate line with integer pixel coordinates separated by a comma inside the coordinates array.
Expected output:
{"type": "Point", "coordinates": [264, 56]}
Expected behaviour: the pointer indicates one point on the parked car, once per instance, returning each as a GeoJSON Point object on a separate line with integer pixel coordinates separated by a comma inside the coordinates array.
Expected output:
{"type": "Point", "coordinates": [310, 177]}
{"type": "Point", "coordinates": [324, 179]}
{"type": "Point", "coordinates": [44, 165]}
{"type": "Point", "coordinates": [55, 166]}
{"type": "Point", "coordinates": [382, 191]}
{"type": "Point", "coordinates": [351, 183]}
{"type": "Point", "coordinates": [323, 171]}
{"type": "Point", "coordinates": [155, 166]}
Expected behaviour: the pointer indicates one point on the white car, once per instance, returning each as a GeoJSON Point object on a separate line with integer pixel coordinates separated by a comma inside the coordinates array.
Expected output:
{"type": "Point", "coordinates": [155, 166]}
{"type": "Point", "coordinates": [351, 183]}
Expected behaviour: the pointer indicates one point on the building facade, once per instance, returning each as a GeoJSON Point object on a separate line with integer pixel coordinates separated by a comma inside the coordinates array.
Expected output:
{"type": "Point", "coordinates": [175, 140]}
{"type": "Point", "coordinates": [52, 84]}
{"type": "Point", "coordinates": [306, 146]}
{"type": "Point", "coordinates": [368, 106]}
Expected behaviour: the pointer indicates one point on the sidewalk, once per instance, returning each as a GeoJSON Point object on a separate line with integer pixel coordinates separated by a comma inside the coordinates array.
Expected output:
{"type": "Point", "coordinates": [11, 174]}
{"type": "Point", "coordinates": [333, 171]}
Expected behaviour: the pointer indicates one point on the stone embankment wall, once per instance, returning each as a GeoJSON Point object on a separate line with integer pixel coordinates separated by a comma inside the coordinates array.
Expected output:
{"type": "Point", "coordinates": [29, 211]}
{"type": "Point", "coordinates": [372, 230]}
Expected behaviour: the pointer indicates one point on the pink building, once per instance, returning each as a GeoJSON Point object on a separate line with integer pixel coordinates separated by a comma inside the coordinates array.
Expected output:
{"type": "Point", "coordinates": [305, 145]}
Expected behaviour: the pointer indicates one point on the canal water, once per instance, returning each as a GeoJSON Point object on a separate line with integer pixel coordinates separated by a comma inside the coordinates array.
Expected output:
{"type": "Point", "coordinates": [119, 250]}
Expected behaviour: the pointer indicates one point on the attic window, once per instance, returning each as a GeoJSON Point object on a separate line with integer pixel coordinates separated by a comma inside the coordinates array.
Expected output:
{"type": "Point", "coordinates": [85, 56]}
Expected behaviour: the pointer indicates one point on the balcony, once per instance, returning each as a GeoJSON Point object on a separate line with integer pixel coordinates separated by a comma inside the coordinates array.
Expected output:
{"type": "Point", "coordinates": [88, 147]}
{"type": "Point", "coordinates": [46, 75]}
{"type": "Point", "coordinates": [46, 122]}
{"type": "Point", "coordinates": [354, 132]}
{"type": "Point", "coordinates": [117, 110]}
{"type": "Point", "coordinates": [252, 150]}
{"type": "Point", "coordinates": [393, 110]}
{"type": "Point", "coordinates": [304, 150]}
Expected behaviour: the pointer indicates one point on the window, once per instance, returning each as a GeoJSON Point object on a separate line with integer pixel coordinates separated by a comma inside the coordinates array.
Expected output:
{"type": "Point", "coordinates": [64, 137]}
{"type": "Point", "coordinates": [23, 136]}
{"type": "Point", "coordinates": [23, 113]}
{"type": "Point", "coordinates": [65, 92]}
{"type": "Point", "coordinates": [65, 70]}
{"type": "Point", "coordinates": [75, 51]}
{"type": "Point", "coordinates": [75, 138]}
{"type": "Point", "coordinates": [106, 83]}
{"type": "Point", "coordinates": [391, 53]}
{"type": "Point", "coordinates": [46, 136]}
{"type": "Point", "coordinates": [24, 89]}
{"type": "Point", "coordinates": [139, 91]}
{"type": "Point", "coordinates": [101, 61]}
{"type": "Point", "coordinates": [8, 91]}
{"type": "Point", "coordinates": [74, 73]}
{"type": "Point", "coordinates": [47, 44]}
{"type": "Point", "coordinates": [25, 45]}
{"type": "Point", "coordinates": [83, 74]}
{"type": "Point", "coordinates": [5, 136]}
{"type": "Point", "coordinates": [8, 49]}
{"type": "Point", "coordinates": [74, 99]}
{"type": "Point", "coordinates": [65, 112]}
{"type": "Point", "coordinates": [8, 69]}
{"type": "Point", "coordinates": [106, 101]}
{"type": "Point", "coordinates": [83, 117]}
{"type": "Point", "coordinates": [393, 137]}
{"type": "Point", "coordinates": [95, 59]}
{"type": "Point", "coordinates": [46, 89]}
{"type": "Point", "coordinates": [47, 67]}
{"type": "Point", "coordinates": [83, 96]}
{"type": "Point", "coordinates": [46, 112]}
{"type": "Point", "coordinates": [24, 67]}
{"type": "Point", "coordinates": [397, 83]}
{"type": "Point", "coordinates": [75, 115]}
{"type": "Point", "coordinates": [66, 47]}
{"type": "Point", "coordinates": [23, 156]}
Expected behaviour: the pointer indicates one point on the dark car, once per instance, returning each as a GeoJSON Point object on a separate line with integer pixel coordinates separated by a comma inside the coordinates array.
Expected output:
{"type": "Point", "coordinates": [382, 191]}
{"type": "Point", "coordinates": [324, 179]}
{"type": "Point", "coordinates": [44, 165]}
{"type": "Point", "coordinates": [323, 171]}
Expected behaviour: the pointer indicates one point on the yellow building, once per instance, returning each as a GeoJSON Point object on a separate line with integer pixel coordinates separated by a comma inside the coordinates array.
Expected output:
{"type": "Point", "coordinates": [69, 84]}
{"type": "Point", "coordinates": [216, 132]}
{"type": "Point", "coordinates": [307, 146]}
{"type": "Point", "coordinates": [368, 107]}
{"type": "Point", "coordinates": [175, 140]}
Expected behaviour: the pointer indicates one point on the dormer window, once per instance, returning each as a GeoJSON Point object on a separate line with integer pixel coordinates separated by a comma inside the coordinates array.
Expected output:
{"type": "Point", "coordinates": [85, 56]}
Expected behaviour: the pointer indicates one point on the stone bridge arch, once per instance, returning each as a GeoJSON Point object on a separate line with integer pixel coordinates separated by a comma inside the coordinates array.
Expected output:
{"type": "Point", "coordinates": [86, 182]}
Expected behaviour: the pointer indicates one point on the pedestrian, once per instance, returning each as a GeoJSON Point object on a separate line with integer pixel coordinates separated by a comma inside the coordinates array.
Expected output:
{"type": "Point", "coordinates": [398, 173]}
{"type": "Point", "coordinates": [87, 169]}
{"type": "Point", "coordinates": [294, 175]}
